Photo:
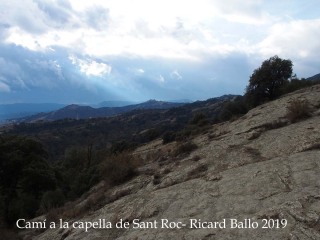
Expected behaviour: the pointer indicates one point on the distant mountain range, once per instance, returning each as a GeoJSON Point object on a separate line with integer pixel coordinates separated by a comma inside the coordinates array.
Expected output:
{"type": "Point", "coordinates": [113, 104]}
{"type": "Point", "coordinates": [53, 111]}
{"type": "Point", "coordinates": [315, 77]}
{"type": "Point", "coordinates": [75, 111]}
{"type": "Point", "coordinates": [20, 110]}
{"type": "Point", "coordinates": [139, 124]}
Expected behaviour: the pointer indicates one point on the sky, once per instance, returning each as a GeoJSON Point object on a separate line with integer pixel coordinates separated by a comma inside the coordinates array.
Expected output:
{"type": "Point", "coordinates": [72, 51]}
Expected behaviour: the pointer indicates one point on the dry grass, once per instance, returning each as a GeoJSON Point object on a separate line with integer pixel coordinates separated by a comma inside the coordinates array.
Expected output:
{"type": "Point", "coordinates": [196, 158]}
{"type": "Point", "coordinates": [119, 168]}
{"type": "Point", "coordinates": [314, 146]}
{"type": "Point", "coordinates": [185, 148]}
{"type": "Point", "coordinates": [198, 171]}
{"type": "Point", "coordinates": [274, 125]}
{"type": "Point", "coordinates": [298, 109]}
{"type": "Point", "coordinates": [156, 179]}
{"type": "Point", "coordinates": [54, 215]}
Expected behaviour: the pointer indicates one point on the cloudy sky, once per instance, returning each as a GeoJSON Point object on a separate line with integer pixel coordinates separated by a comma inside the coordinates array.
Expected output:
{"type": "Point", "coordinates": [72, 51]}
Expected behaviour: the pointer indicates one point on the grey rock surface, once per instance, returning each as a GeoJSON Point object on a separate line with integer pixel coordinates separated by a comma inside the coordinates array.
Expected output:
{"type": "Point", "coordinates": [258, 167]}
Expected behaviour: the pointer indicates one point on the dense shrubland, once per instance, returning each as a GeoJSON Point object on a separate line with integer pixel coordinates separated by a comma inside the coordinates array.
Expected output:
{"type": "Point", "coordinates": [30, 185]}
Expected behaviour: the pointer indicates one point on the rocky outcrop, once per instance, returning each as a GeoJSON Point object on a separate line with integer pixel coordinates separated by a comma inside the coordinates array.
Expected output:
{"type": "Point", "coordinates": [260, 168]}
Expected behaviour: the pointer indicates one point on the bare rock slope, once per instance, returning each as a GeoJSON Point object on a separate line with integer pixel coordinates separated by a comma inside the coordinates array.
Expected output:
{"type": "Point", "coordinates": [258, 167]}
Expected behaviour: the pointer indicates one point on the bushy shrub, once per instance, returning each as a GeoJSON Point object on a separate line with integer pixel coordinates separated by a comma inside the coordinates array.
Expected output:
{"type": "Point", "coordinates": [118, 168]}
{"type": "Point", "coordinates": [156, 179]}
{"type": "Point", "coordinates": [51, 199]}
{"type": "Point", "coordinates": [25, 206]}
{"type": "Point", "coordinates": [199, 119]}
{"type": "Point", "coordinates": [121, 146]}
{"type": "Point", "coordinates": [192, 130]}
{"type": "Point", "coordinates": [53, 215]}
{"type": "Point", "coordinates": [197, 171]}
{"type": "Point", "coordinates": [234, 108]}
{"type": "Point", "coordinates": [296, 84]}
{"type": "Point", "coordinates": [184, 134]}
{"type": "Point", "coordinates": [168, 137]}
{"type": "Point", "coordinates": [83, 182]}
{"type": "Point", "coordinates": [187, 147]}
{"type": "Point", "coordinates": [298, 109]}
{"type": "Point", "coordinates": [274, 124]}
{"type": "Point", "coordinates": [152, 134]}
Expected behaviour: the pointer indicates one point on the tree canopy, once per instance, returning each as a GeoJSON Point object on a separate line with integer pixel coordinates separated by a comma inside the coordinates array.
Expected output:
{"type": "Point", "coordinates": [267, 81]}
{"type": "Point", "coordinates": [24, 176]}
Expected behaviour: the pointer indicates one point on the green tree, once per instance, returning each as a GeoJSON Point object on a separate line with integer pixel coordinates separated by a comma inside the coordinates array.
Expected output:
{"type": "Point", "coordinates": [266, 82]}
{"type": "Point", "coordinates": [24, 177]}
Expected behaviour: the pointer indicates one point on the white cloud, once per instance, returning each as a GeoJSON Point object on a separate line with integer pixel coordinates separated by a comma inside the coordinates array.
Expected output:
{"type": "Point", "coordinates": [12, 74]}
{"type": "Point", "coordinates": [140, 70]}
{"type": "Point", "coordinates": [97, 17]}
{"type": "Point", "coordinates": [297, 38]}
{"type": "Point", "coordinates": [91, 67]}
{"type": "Point", "coordinates": [22, 38]}
{"type": "Point", "coordinates": [24, 14]}
{"type": "Point", "coordinates": [250, 12]}
{"type": "Point", "coordinates": [142, 28]}
{"type": "Point", "coordinates": [247, 19]}
{"type": "Point", "coordinates": [161, 79]}
{"type": "Point", "coordinates": [94, 68]}
{"type": "Point", "coordinates": [175, 75]}
{"type": "Point", "coordinates": [160, 36]}
{"type": "Point", "coordinates": [4, 87]}
{"type": "Point", "coordinates": [37, 16]}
